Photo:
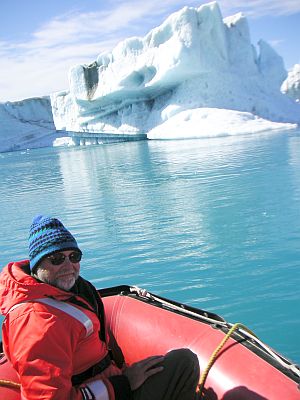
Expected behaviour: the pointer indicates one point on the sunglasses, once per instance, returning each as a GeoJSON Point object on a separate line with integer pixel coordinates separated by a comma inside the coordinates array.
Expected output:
{"type": "Point", "coordinates": [59, 258]}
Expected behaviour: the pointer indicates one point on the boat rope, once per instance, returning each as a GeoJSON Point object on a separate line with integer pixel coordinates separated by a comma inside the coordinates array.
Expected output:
{"type": "Point", "coordinates": [248, 335]}
{"type": "Point", "coordinates": [11, 384]}
{"type": "Point", "coordinates": [217, 352]}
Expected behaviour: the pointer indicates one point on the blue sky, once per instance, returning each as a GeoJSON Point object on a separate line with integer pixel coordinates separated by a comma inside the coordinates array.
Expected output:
{"type": "Point", "coordinates": [41, 39]}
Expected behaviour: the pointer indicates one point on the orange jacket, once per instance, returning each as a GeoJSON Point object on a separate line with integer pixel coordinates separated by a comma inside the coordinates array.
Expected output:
{"type": "Point", "coordinates": [47, 346]}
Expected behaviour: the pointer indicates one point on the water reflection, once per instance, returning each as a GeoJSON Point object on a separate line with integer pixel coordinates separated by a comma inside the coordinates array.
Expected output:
{"type": "Point", "coordinates": [177, 209]}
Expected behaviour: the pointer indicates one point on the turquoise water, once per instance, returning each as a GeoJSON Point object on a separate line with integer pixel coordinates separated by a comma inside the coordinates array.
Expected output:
{"type": "Point", "coordinates": [213, 223]}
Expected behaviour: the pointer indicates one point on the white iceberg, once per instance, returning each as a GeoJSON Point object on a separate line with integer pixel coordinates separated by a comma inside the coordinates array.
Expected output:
{"type": "Point", "coordinates": [194, 62]}
{"type": "Point", "coordinates": [26, 124]}
{"type": "Point", "coordinates": [196, 75]}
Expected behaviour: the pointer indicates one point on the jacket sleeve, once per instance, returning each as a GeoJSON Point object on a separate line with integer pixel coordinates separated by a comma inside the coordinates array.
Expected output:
{"type": "Point", "coordinates": [40, 346]}
{"type": "Point", "coordinates": [113, 388]}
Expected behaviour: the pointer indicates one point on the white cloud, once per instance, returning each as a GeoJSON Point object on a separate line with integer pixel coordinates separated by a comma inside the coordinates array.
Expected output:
{"type": "Point", "coordinates": [40, 65]}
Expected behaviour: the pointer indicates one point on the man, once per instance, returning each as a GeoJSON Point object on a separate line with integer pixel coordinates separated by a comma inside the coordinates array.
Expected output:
{"type": "Point", "coordinates": [54, 331]}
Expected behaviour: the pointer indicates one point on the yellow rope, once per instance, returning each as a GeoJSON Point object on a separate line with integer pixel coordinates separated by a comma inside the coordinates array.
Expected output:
{"type": "Point", "coordinates": [15, 385]}
{"type": "Point", "coordinates": [217, 351]}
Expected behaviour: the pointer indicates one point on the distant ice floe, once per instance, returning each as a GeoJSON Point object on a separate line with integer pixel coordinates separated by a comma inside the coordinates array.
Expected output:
{"type": "Point", "coordinates": [26, 124]}
{"type": "Point", "coordinates": [291, 86]}
{"type": "Point", "coordinates": [64, 141]}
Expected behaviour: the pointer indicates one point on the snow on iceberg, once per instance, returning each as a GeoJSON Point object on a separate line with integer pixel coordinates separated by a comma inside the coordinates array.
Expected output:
{"type": "Point", "coordinates": [291, 86]}
{"type": "Point", "coordinates": [194, 60]}
{"type": "Point", "coordinates": [212, 122]}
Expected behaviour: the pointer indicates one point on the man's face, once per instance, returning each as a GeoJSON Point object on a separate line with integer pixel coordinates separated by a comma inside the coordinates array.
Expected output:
{"type": "Point", "coordinates": [62, 275]}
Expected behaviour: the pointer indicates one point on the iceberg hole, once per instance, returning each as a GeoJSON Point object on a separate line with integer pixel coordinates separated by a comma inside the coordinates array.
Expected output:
{"type": "Point", "coordinates": [139, 78]}
{"type": "Point", "coordinates": [91, 78]}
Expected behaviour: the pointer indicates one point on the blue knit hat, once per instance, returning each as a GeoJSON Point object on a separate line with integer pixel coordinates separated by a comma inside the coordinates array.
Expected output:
{"type": "Point", "coordinates": [47, 235]}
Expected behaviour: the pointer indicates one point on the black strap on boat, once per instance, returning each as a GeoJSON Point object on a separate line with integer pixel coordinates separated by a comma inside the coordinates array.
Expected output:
{"type": "Point", "coordinates": [92, 371]}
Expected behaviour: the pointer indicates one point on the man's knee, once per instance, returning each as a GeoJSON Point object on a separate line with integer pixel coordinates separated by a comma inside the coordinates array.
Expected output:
{"type": "Point", "coordinates": [185, 357]}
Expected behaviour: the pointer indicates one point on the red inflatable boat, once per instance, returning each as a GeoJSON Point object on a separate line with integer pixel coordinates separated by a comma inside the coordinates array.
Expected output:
{"type": "Point", "coordinates": [235, 365]}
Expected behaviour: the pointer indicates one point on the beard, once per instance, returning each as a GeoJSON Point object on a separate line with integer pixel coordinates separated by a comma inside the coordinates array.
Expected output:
{"type": "Point", "coordinates": [64, 281]}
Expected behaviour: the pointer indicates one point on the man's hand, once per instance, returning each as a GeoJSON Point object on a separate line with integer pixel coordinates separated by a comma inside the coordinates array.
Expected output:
{"type": "Point", "coordinates": [138, 372]}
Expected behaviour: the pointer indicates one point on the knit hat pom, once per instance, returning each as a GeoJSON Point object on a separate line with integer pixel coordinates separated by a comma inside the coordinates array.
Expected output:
{"type": "Point", "coordinates": [46, 236]}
